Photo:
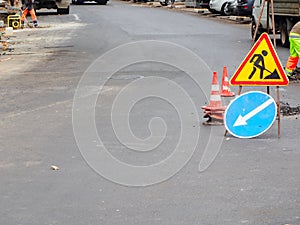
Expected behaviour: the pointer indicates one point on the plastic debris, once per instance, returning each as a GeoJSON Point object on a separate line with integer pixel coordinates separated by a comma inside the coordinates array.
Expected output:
{"type": "Point", "coordinates": [54, 167]}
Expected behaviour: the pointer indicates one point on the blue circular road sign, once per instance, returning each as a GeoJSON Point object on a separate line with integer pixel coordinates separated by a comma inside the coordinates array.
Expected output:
{"type": "Point", "coordinates": [250, 114]}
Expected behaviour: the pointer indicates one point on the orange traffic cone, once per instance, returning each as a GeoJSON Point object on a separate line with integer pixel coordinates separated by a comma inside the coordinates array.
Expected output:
{"type": "Point", "coordinates": [215, 97]}
{"type": "Point", "coordinates": [214, 111]}
{"type": "Point", "coordinates": [225, 89]}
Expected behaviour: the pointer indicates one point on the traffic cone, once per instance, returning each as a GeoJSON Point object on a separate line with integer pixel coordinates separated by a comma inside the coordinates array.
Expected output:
{"type": "Point", "coordinates": [225, 89]}
{"type": "Point", "coordinates": [214, 111]}
{"type": "Point", "coordinates": [215, 97]}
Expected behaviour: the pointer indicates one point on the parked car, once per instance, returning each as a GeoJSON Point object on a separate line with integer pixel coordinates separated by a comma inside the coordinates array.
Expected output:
{"type": "Point", "coordinates": [204, 4]}
{"type": "Point", "coordinates": [286, 15]}
{"type": "Point", "coordinates": [196, 3]}
{"type": "Point", "coordinates": [244, 7]}
{"type": "Point", "coordinates": [239, 7]}
{"type": "Point", "coordinates": [62, 6]}
{"type": "Point", "coordinates": [230, 8]}
{"type": "Point", "coordinates": [217, 6]}
{"type": "Point", "coordinates": [254, 19]}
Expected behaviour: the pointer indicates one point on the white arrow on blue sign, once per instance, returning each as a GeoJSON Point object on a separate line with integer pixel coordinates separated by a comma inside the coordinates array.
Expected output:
{"type": "Point", "coordinates": [250, 114]}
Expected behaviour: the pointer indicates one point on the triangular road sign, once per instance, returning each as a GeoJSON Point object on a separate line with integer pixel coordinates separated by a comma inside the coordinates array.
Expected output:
{"type": "Point", "coordinates": [261, 67]}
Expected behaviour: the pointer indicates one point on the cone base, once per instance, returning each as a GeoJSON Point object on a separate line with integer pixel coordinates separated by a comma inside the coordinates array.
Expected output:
{"type": "Point", "coordinates": [214, 116]}
{"type": "Point", "coordinates": [213, 123]}
{"type": "Point", "coordinates": [214, 108]}
{"type": "Point", "coordinates": [213, 119]}
{"type": "Point", "coordinates": [227, 94]}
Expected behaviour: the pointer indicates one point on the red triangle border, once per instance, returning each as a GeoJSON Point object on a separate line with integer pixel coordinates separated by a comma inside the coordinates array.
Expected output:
{"type": "Point", "coordinates": [283, 82]}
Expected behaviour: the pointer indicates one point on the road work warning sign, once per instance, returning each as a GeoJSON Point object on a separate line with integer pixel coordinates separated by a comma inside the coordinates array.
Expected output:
{"type": "Point", "coordinates": [261, 67]}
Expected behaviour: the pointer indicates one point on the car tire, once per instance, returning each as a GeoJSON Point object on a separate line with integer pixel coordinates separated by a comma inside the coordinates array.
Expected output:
{"type": "Point", "coordinates": [226, 9]}
{"type": "Point", "coordinates": [284, 35]}
{"type": "Point", "coordinates": [164, 3]}
{"type": "Point", "coordinates": [223, 9]}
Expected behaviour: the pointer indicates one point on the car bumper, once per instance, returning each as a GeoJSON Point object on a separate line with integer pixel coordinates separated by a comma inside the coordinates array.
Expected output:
{"type": "Point", "coordinates": [243, 11]}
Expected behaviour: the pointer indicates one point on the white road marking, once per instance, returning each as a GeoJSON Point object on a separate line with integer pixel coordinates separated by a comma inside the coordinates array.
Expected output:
{"type": "Point", "coordinates": [76, 17]}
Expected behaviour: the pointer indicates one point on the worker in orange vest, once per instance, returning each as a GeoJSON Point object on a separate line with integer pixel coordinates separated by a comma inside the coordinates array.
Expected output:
{"type": "Point", "coordinates": [292, 61]}
{"type": "Point", "coordinates": [28, 7]}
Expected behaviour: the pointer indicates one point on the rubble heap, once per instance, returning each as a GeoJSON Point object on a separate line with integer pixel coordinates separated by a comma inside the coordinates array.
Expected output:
{"type": "Point", "coordinates": [287, 110]}
{"type": "Point", "coordinates": [9, 8]}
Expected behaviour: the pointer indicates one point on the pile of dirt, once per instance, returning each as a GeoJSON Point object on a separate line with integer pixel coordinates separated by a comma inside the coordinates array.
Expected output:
{"type": "Point", "coordinates": [8, 7]}
{"type": "Point", "coordinates": [287, 110]}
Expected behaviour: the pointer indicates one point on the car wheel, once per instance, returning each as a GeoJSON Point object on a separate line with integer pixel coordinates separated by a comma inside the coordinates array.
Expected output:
{"type": "Point", "coordinates": [284, 35]}
{"type": "Point", "coordinates": [227, 10]}
{"type": "Point", "coordinates": [223, 9]}
{"type": "Point", "coordinates": [164, 3]}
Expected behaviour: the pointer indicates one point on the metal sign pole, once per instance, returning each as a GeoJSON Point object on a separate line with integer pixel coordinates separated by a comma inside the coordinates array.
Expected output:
{"type": "Point", "coordinates": [274, 43]}
{"type": "Point", "coordinates": [268, 31]}
{"type": "Point", "coordinates": [258, 21]}
{"type": "Point", "coordinates": [273, 23]}
{"type": "Point", "coordinates": [277, 88]}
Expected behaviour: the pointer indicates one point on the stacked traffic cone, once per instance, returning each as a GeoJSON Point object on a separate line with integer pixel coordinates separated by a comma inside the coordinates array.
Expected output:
{"type": "Point", "coordinates": [214, 111]}
{"type": "Point", "coordinates": [225, 89]}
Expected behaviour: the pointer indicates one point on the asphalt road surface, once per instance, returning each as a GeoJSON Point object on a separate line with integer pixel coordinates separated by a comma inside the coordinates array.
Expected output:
{"type": "Point", "coordinates": [101, 124]}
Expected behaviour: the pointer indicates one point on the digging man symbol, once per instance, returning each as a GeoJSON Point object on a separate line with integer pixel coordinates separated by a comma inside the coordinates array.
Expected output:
{"type": "Point", "coordinates": [259, 63]}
